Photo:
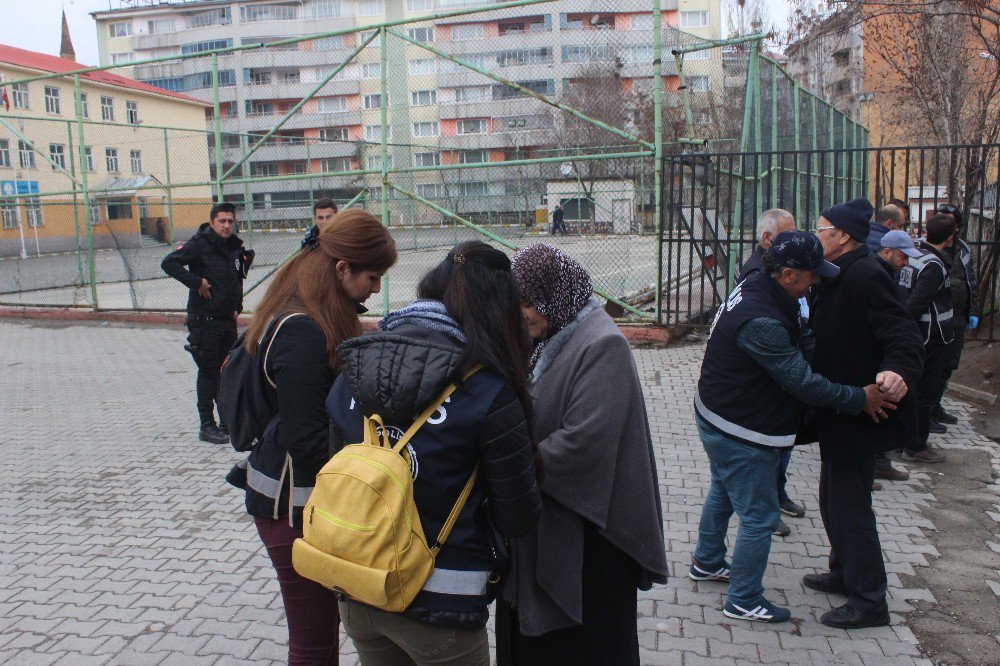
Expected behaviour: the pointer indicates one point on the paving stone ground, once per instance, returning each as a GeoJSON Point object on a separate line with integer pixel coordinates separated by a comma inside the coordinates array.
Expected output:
{"type": "Point", "coordinates": [122, 543]}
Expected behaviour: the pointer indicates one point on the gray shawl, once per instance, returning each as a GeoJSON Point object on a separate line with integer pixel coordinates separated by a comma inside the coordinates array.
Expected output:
{"type": "Point", "coordinates": [593, 434]}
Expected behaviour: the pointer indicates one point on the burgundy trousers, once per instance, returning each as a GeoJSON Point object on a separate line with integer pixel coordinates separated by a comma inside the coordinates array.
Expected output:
{"type": "Point", "coordinates": [311, 609]}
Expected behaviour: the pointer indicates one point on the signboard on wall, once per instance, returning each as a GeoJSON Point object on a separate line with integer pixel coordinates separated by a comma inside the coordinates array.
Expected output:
{"type": "Point", "coordinates": [12, 187]}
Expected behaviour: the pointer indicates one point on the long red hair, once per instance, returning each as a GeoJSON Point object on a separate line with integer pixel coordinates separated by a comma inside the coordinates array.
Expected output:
{"type": "Point", "coordinates": [308, 283]}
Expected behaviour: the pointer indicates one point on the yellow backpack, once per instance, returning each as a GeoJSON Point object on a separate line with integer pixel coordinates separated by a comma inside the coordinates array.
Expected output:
{"type": "Point", "coordinates": [361, 533]}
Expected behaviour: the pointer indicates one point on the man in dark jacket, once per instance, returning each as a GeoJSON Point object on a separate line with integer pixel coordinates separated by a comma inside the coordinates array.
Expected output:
{"type": "Point", "coordinates": [323, 212]}
{"type": "Point", "coordinates": [754, 381]}
{"type": "Point", "coordinates": [888, 218]}
{"type": "Point", "coordinates": [862, 334]}
{"type": "Point", "coordinates": [558, 226]}
{"type": "Point", "coordinates": [212, 265]}
{"type": "Point", "coordinates": [930, 304]}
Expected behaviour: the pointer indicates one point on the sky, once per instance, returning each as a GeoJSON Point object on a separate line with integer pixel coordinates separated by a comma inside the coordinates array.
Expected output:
{"type": "Point", "coordinates": [35, 25]}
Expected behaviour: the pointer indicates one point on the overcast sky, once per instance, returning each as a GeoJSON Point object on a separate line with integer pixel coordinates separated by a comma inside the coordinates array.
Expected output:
{"type": "Point", "coordinates": [34, 24]}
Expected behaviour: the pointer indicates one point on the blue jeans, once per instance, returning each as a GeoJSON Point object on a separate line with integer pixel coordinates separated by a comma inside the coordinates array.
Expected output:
{"type": "Point", "coordinates": [784, 457]}
{"type": "Point", "coordinates": [744, 480]}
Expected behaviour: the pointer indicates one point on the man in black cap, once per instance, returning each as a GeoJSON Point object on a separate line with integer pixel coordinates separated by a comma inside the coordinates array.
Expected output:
{"type": "Point", "coordinates": [216, 265]}
{"type": "Point", "coordinates": [930, 304]}
{"type": "Point", "coordinates": [863, 334]}
{"type": "Point", "coordinates": [748, 407]}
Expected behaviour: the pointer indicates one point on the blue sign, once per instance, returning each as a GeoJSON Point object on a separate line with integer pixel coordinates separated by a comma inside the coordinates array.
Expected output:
{"type": "Point", "coordinates": [12, 187]}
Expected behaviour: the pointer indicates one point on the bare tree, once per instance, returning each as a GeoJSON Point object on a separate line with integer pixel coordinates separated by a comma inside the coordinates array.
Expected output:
{"type": "Point", "coordinates": [747, 17]}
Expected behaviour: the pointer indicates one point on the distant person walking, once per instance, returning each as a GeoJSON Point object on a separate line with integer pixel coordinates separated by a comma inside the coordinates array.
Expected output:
{"type": "Point", "coordinates": [558, 226]}
{"type": "Point", "coordinates": [212, 265]}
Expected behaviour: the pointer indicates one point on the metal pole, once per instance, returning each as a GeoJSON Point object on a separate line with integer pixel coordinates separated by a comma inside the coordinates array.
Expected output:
{"type": "Point", "coordinates": [217, 124]}
{"type": "Point", "coordinates": [658, 154]}
{"type": "Point", "coordinates": [309, 164]}
{"type": "Point", "coordinates": [384, 147]}
{"type": "Point", "coordinates": [76, 211]}
{"type": "Point", "coordinates": [814, 164]}
{"type": "Point", "coordinates": [248, 206]}
{"type": "Point", "coordinates": [774, 132]}
{"type": "Point", "coordinates": [798, 146]}
{"type": "Point", "coordinates": [82, 150]}
{"type": "Point", "coordinates": [755, 82]}
{"type": "Point", "coordinates": [170, 189]}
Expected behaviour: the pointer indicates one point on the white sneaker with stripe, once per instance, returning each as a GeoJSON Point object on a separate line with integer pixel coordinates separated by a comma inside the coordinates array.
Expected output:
{"type": "Point", "coordinates": [763, 612]}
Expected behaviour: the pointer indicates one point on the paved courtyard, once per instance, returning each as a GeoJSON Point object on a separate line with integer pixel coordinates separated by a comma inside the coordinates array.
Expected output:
{"type": "Point", "coordinates": [122, 543]}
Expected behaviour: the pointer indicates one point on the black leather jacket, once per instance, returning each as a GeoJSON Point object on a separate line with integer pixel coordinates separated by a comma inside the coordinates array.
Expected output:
{"type": "Point", "coordinates": [207, 255]}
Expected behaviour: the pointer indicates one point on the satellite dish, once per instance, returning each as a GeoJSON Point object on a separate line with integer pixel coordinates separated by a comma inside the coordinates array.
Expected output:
{"type": "Point", "coordinates": [565, 168]}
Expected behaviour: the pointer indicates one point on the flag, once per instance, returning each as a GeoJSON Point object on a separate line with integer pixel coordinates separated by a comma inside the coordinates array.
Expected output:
{"type": "Point", "coordinates": [4, 98]}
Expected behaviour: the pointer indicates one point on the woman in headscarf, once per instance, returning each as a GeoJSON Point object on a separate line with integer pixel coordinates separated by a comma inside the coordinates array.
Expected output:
{"type": "Point", "coordinates": [572, 592]}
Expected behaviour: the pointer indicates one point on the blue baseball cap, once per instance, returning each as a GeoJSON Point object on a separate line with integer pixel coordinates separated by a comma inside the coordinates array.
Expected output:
{"type": "Point", "coordinates": [801, 250]}
{"type": "Point", "coordinates": [900, 240]}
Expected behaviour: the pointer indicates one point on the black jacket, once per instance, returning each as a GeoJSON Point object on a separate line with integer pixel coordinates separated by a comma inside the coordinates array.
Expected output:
{"type": "Point", "coordinates": [397, 375]}
{"type": "Point", "coordinates": [861, 329]}
{"type": "Point", "coordinates": [208, 256]}
{"type": "Point", "coordinates": [754, 264]}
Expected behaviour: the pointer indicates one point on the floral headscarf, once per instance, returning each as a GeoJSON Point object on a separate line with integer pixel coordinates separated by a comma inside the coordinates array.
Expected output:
{"type": "Point", "coordinates": [554, 283]}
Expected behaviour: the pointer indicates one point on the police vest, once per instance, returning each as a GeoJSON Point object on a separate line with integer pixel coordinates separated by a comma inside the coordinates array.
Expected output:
{"type": "Point", "coordinates": [736, 395]}
{"type": "Point", "coordinates": [442, 455]}
{"type": "Point", "coordinates": [939, 313]}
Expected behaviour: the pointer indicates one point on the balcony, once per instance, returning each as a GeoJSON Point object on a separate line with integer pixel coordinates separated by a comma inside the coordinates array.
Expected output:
{"type": "Point", "coordinates": [489, 108]}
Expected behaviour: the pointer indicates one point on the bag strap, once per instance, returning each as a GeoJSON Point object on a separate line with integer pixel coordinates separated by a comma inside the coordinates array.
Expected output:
{"type": "Point", "coordinates": [271, 341]}
{"type": "Point", "coordinates": [431, 408]}
{"type": "Point", "coordinates": [455, 511]}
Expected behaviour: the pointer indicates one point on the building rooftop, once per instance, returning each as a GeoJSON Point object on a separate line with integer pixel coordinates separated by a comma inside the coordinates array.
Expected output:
{"type": "Point", "coordinates": [47, 63]}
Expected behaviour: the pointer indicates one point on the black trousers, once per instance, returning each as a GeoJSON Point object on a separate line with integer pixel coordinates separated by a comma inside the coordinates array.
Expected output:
{"type": "Point", "coordinates": [845, 504]}
{"type": "Point", "coordinates": [209, 340]}
{"type": "Point", "coordinates": [609, 633]}
{"type": "Point", "coordinates": [930, 389]}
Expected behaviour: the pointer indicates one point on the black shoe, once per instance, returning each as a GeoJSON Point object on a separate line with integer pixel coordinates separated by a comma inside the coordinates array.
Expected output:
{"type": "Point", "coordinates": [828, 582]}
{"type": "Point", "coordinates": [782, 529]}
{"type": "Point", "coordinates": [211, 433]}
{"type": "Point", "coordinates": [936, 427]}
{"type": "Point", "coordinates": [849, 617]}
{"type": "Point", "coordinates": [224, 429]}
{"type": "Point", "coordinates": [941, 416]}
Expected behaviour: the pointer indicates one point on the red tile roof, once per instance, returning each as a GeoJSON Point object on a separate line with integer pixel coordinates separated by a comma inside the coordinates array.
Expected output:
{"type": "Point", "coordinates": [47, 63]}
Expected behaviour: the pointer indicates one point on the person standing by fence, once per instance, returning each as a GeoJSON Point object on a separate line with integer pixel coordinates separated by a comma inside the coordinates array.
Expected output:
{"type": "Point", "coordinates": [558, 225]}
{"type": "Point", "coordinates": [212, 265]}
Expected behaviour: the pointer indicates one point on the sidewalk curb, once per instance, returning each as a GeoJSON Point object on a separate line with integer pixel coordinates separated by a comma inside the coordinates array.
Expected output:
{"type": "Point", "coordinates": [975, 394]}
{"type": "Point", "coordinates": [634, 333]}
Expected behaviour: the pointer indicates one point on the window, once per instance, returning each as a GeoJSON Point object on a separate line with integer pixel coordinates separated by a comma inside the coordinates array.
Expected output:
{"type": "Point", "coordinates": [426, 159]}
{"type": "Point", "coordinates": [694, 19]}
{"type": "Point", "coordinates": [325, 9]}
{"type": "Point", "coordinates": [501, 91]}
{"type": "Point", "coordinates": [698, 84]}
{"type": "Point", "coordinates": [472, 188]}
{"type": "Point", "coordinates": [207, 45]}
{"type": "Point", "coordinates": [429, 190]}
{"type": "Point", "coordinates": [299, 166]}
{"type": "Point", "coordinates": [472, 93]}
{"type": "Point", "coordinates": [20, 91]}
{"type": "Point", "coordinates": [696, 55]}
{"type": "Point", "coordinates": [212, 17]}
{"type": "Point", "coordinates": [161, 26]}
{"type": "Point", "coordinates": [480, 60]}
{"type": "Point", "coordinates": [375, 162]}
{"type": "Point", "coordinates": [642, 21]}
{"type": "Point", "coordinates": [135, 157]}
{"type": "Point", "coordinates": [88, 154]}
{"type": "Point", "coordinates": [333, 164]}
{"type": "Point", "coordinates": [373, 101]}
{"type": "Point", "coordinates": [419, 5]}
{"type": "Point", "coordinates": [588, 53]}
{"type": "Point", "coordinates": [4, 153]}
{"type": "Point", "coordinates": [374, 133]}
{"type": "Point", "coordinates": [107, 109]}
{"type": "Point", "coordinates": [258, 108]}
{"type": "Point", "coordinates": [473, 157]}
{"type": "Point", "coordinates": [467, 32]}
{"type": "Point", "coordinates": [119, 209]}
{"type": "Point", "coordinates": [33, 211]}
{"type": "Point", "coordinates": [371, 70]}
{"type": "Point", "coordinates": [423, 66]}
{"type": "Point", "coordinates": [426, 129]}
{"type": "Point", "coordinates": [423, 97]}
{"type": "Point", "coordinates": [57, 153]}
{"type": "Point", "coordinates": [122, 58]}
{"type": "Point", "coordinates": [641, 54]}
{"type": "Point", "coordinates": [328, 43]}
{"type": "Point", "coordinates": [132, 113]}
{"type": "Point", "coordinates": [476, 126]}
{"type": "Point", "coordinates": [10, 217]}
{"type": "Point", "coordinates": [515, 57]}
{"type": "Point", "coordinates": [842, 58]}
{"type": "Point", "coordinates": [51, 99]}
{"type": "Point", "coordinates": [333, 134]}
{"type": "Point", "coordinates": [371, 7]}
{"type": "Point", "coordinates": [25, 155]}
{"type": "Point", "coordinates": [263, 168]}
{"type": "Point", "coordinates": [331, 104]}
{"type": "Point", "coordinates": [111, 159]}
{"type": "Point", "coordinates": [422, 35]}
{"type": "Point", "coordinates": [119, 29]}
{"type": "Point", "coordinates": [84, 106]}
{"type": "Point", "coordinates": [258, 13]}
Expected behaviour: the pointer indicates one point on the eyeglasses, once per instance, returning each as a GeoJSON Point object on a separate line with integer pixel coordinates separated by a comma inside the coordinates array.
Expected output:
{"type": "Point", "coordinates": [819, 229]}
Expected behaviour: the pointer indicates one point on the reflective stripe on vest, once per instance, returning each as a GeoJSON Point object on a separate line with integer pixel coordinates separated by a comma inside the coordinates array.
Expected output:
{"type": "Point", "coordinates": [453, 581]}
{"type": "Point", "coordinates": [269, 487]}
{"type": "Point", "coordinates": [730, 428]}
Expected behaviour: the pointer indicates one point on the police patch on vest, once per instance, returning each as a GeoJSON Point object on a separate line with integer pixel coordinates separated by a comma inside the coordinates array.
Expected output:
{"type": "Point", "coordinates": [906, 277]}
{"type": "Point", "coordinates": [394, 434]}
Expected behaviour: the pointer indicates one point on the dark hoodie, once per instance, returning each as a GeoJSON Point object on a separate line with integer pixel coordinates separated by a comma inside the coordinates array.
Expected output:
{"type": "Point", "coordinates": [396, 375]}
{"type": "Point", "coordinates": [207, 255]}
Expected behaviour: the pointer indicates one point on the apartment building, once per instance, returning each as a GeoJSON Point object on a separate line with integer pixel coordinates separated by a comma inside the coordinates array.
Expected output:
{"type": "Point", "coordinates": [440, 113]}
{"type": "Point", "coordinates": [829, 59]}
{"type": "Point", "coordinates": [125, 156]}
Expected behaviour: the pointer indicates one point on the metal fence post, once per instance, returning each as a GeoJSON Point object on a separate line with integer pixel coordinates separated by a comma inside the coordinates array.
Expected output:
{"type": "Point", "coordinates": [82, 150]}
{"type": "Point", "coordinates": [384, 147]}
{"type": "Point", "coordinates": [76, 210]}
{"type": "Point", "coordinates": [658, 155]}
{"type": "Point", "coordinates": [170, 189]}
{"type": "Point", "coordinates": [217, 124]}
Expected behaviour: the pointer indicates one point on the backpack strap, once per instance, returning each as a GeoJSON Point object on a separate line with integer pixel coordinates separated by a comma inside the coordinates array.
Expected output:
{"type": "Point", "coordinates": [271, 341]}
{"type": "Point", "coordinates": [431, 408]}
{"type": "Point", "coordinates": [455, 510]}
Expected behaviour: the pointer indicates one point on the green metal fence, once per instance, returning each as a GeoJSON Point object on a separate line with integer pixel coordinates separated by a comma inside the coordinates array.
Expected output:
{"type": "Point", "coordinates": [460, 123]}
